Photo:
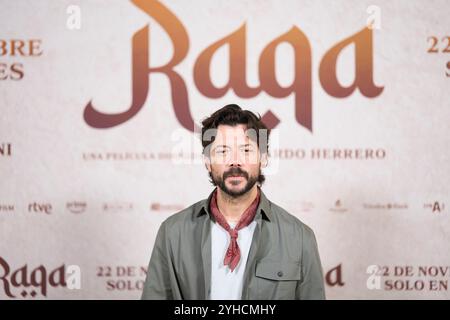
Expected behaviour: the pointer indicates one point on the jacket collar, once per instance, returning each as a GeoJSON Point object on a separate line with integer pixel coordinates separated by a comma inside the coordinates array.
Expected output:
{"type": "Point", "coordinates": [262, 210]}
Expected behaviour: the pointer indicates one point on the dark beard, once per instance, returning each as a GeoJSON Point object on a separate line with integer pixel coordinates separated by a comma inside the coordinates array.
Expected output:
{"type": "Point", "coordinates": [220, 181]}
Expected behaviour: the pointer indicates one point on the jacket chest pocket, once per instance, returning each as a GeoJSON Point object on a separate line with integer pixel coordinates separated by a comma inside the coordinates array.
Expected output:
{"type": "Point", "coordinates": [277, 279]}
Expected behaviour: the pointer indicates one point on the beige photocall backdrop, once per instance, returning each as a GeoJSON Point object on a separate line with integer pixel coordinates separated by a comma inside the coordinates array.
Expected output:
{"type": "Point", "coordinates": [100, 106]}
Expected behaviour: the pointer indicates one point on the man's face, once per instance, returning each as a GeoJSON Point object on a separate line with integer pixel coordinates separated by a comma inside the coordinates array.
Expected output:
{"type": "Point", "coordinates": [234, 162]}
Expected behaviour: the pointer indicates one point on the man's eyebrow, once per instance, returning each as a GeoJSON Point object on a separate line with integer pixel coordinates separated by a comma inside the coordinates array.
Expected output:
{"type": "Point", "coordinates": [221, 145]}
{"type": "Point", "coordinates": [226, 146]}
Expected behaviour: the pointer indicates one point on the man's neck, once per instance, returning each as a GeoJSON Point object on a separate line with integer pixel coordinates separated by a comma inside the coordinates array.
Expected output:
{"type": "Point", "coordinates": [233, 208]}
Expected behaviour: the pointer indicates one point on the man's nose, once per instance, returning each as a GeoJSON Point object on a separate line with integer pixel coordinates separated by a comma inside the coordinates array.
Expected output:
{"type": "Point", "coordinates": [235, 160]}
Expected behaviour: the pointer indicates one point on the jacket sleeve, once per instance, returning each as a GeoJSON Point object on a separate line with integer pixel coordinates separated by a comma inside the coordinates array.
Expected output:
{"type": "Point", "coordinates": [157, 284]}
{"type": "Point", "coordinates": [311, 286]}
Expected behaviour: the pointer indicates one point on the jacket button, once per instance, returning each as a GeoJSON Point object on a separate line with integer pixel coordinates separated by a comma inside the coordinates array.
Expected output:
{"type": "Point", "coordinates": [280, 273]}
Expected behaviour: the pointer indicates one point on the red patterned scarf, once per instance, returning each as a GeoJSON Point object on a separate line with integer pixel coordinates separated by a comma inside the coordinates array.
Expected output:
{"type": "Point", "coordinates": [233, 254]}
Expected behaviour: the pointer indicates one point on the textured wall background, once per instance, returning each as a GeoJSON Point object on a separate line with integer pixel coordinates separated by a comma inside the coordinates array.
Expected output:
{"type": "Point", "coordinates": [75, 195]}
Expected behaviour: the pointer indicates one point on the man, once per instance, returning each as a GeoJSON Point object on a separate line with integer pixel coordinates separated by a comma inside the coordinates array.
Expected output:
{"type": "Point", "coordinates": [236, 244]}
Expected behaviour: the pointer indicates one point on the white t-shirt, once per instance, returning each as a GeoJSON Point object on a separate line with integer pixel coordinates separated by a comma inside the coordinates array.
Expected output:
{"type": "Point", "coordinates": [227, 285]}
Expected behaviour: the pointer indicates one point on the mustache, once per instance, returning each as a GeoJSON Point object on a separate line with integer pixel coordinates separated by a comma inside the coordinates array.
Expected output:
{"type": "Point", "coordinates": [236, 171]}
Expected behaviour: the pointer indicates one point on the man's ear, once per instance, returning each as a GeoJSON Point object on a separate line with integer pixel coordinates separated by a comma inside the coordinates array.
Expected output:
{"type": "Point", "coordinates": [207, 161]}
{"type": "Point", "coordinates": [264, 160]}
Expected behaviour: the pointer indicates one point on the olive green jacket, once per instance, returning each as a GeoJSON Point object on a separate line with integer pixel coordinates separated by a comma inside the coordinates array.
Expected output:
{"type": "Point", "coordinates": [283, 261]}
